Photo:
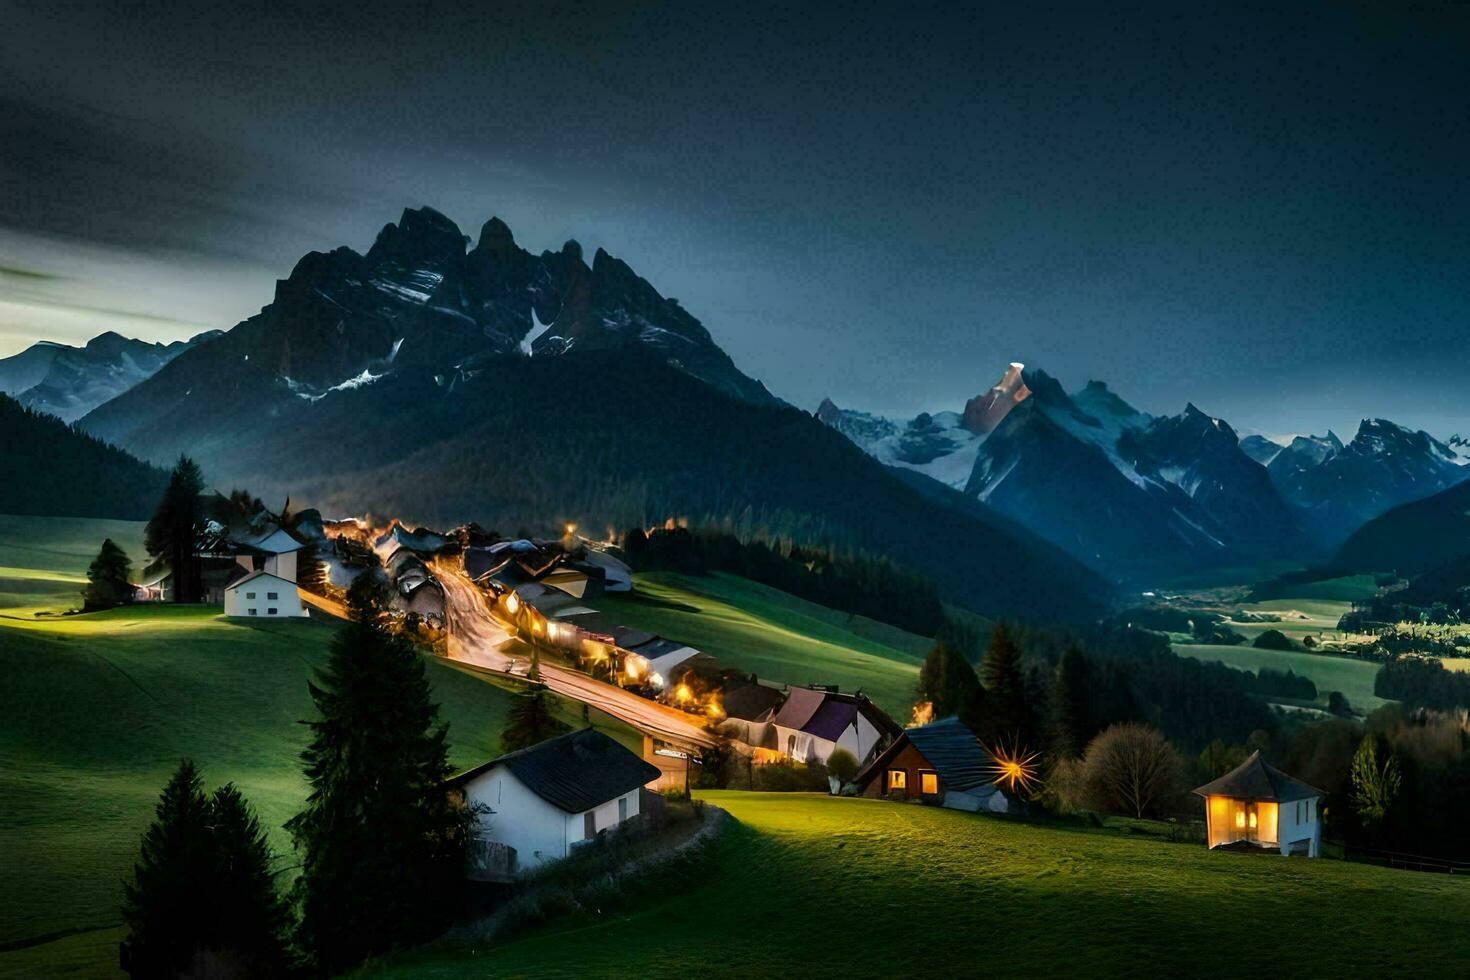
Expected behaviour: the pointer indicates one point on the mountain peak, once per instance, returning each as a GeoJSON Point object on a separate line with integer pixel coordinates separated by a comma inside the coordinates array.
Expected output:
{"type": "Point", "coordinates": [422, 238]}
{"type": "Point", "coordinates": [495, 238]}
{"type": "Point", "coordinates": [828, 412]}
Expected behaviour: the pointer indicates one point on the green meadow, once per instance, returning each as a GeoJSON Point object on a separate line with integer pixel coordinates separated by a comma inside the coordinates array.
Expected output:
{"type": "Point", "coordinates": [781, 638]}
{"type": "Point", "coordinates": [816, 886]}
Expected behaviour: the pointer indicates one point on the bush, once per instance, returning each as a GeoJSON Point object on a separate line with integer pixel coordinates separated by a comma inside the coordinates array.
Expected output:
{"type": "Point", "coordinates": [790, 777]}
{"type": "Point", "coordinates": [1273, 640]}
{"type": "Point", "coordinates": [842, 765]}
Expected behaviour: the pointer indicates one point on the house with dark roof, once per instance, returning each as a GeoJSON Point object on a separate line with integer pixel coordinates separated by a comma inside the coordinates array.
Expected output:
{"type": "Point", "coordinates": [815, 722]}
{"type": "Point", "coordinates": [1256, 805]}
{"type": "Point", "coordinates": [536, 805]}
{"type": "Point", "coordinates": [941, 763]}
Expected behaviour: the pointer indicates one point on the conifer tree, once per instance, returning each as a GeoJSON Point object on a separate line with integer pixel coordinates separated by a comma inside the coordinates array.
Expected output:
{"type": "Point", "coordinates": [531, 720]}
{"type": "Point", "coordinates": [382, 844]}
{"type": "Point", "coordinates": [1072, 693]}
{"type": "Point", "coordinates": [107, 579]}
{"type": "Point", "coordinates": [161, 906]}
{"type": "Point", "coordinates": [948, 683]}
{"type": "Point", "coordinates": [1011, 717]}
{"type": "Point", "coordinates": [252, 919]}
{"type": "Point", "coordinates": [203, 900]}
{"type": "Point", "coordinates": [173, 531]}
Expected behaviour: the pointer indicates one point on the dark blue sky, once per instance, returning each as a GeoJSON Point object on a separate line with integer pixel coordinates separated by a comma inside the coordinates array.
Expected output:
{"type": "Point", "coordinates": [1265, 213]}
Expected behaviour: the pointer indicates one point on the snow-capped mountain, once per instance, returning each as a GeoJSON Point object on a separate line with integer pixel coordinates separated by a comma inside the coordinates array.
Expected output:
{"type": "Point", "coordinates": [1260, 449]}
{"type": "Point", "coordinates": [1125, 492]}
{"type": "Point", "coordinates": [1339, 487]}
{"type": "Point", "coordinates": [69, 382]}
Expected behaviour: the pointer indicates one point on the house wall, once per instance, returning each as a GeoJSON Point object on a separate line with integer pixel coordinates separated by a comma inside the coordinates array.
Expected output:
{"type": "Point", "coordinates": [282, 565]}
{"type": "Point", "coordinates": [912, 762]}
{"type": "Point", "coordinates": [1291, 830]}
{"type": "Point", "coordinates": [540, 832]}
{"type": "Point", "coordinates": [287, 602]}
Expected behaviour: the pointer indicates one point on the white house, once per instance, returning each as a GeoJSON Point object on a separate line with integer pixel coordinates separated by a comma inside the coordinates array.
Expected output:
{"type": "Point", "coordinates": [264, 595]}
{"type": "Point", "coordinates": [1258, 805]}
{"type": "Point", "coordinates": [536, 805]}
{"type": "Point", "coordinates": [813, 723]}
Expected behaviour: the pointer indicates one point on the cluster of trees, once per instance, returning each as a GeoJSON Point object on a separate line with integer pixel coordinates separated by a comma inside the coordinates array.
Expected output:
{"type": "Point", "coordinates": [1422, 682]}
{"type": "Point", "coordinates": [53, 469]}
{"type": "Point", "coordinates": [381, 843]}
{"type": "Point", "coordinates": [872, 587]}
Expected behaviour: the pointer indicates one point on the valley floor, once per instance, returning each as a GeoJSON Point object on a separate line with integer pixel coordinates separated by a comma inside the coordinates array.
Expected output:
{"type": "Point", "coordinates": [818, 886]}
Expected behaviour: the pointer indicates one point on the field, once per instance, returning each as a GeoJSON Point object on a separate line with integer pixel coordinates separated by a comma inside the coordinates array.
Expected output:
{"type": "Point", "coordinates": [817, 886]}
{"type": "Point", "coordinates": [781, 638]}
{"type": "Point", "coordinates": [96, 711]}
{"type": "Point", "coordinates": [43, 560]}
{"type": "Point", "coordinates": [1354, 678]}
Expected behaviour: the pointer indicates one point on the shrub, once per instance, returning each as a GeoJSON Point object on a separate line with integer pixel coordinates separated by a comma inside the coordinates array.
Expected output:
{"type": "Point", "coordinates": [842, 765]}
{"type": "Point", "coordinates": [1273, 640]}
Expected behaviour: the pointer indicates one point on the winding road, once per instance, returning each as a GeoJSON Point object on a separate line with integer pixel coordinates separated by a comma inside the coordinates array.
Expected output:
{"type": "Point", "coordinates": [476, 640]}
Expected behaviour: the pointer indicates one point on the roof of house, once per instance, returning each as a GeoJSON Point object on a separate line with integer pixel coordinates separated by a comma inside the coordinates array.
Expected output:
{"type": "Point", "coordinates": [750, 701]}
{"type": "Point", "coordinates": [572, 772]}
{"type": "Point", "coordinates": [826, 714]}
{"type": "Point", "coordinates": [254, 576]}
{"type": "Point", "coordinates": [274, 541]}
{"type": "Point", "coordinates": [1254, 779]}
{"type": "Point", "coordinates": [948, 746]}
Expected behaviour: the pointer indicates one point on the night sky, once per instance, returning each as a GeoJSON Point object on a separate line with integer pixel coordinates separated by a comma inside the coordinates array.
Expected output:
{"type": "Point", "coordinates": [1266, 214]}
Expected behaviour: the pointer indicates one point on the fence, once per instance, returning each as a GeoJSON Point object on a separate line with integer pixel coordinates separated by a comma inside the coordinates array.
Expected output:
{"type": "Point", "coordinates": [1409, 862]}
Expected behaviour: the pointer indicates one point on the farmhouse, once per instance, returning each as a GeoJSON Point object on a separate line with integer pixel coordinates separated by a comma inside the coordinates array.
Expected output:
{"type": "Point", "coordinates": [815, 722]}
{"type": "Point", "coordinates": [265, 595]}
{"type": "Point", "coordinates": [540, 803]}
{"type": "Point", "coordinates": [941, 763]}
{"type": "Point", "coordinates": [1258, 805]}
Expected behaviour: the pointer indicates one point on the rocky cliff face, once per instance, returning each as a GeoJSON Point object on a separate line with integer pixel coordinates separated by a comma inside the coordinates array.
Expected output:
{"type": "Point", "coordinates": [421, 298]}
{"type": "Point", "coordinates": [985, 411]}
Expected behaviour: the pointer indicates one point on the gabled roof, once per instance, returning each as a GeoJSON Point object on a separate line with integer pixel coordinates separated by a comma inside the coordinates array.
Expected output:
{"type": "Point", "coordinates": [1254, 779]}
{"type": "Point", "coordinates": [572, 772]}
{"type": "Point", "coordinates": [750, 701]}
{"type": "Point", "coordinates": [830, 712]}
{"type": "Point", "coordinates": [948, 746]}
{"type": "Point", "coordinates": [255, 576]}
{"type": "Point", "coordinates": [275, 541]}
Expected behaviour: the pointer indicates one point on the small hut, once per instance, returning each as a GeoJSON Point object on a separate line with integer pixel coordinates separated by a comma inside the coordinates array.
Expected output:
{"type": "Point", "coordinates": [1257, 805]}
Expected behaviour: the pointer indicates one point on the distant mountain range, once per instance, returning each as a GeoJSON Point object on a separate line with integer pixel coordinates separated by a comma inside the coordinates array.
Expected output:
{"type": "Point", "coordinates": [69, 382]}
{"type": "Point", "coordinates": [437, 383]}
{"type": "Point", "coordinates": [1136, 496]}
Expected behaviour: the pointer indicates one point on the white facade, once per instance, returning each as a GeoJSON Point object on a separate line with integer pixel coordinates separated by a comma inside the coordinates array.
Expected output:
{"type": "Point", "coordinates": [540, 832]}
{"type": "Point", "coordinates": [1299, 823]}
{"type": "Point", "coordinates": [860, 738]}
{"type": "Point", "coordinates": [264, 596]}
{"type": "Point", "coordinates": [282, 565]}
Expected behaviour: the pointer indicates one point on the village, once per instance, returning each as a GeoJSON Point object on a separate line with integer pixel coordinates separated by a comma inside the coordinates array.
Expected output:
{"type": "Point", "coordinates": [518, 608]}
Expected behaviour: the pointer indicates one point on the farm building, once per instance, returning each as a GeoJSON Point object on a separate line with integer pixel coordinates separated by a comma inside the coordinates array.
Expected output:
{"type": "Point", "coordinates": [540, 803]}
{"type": "Point", "coordinates": [1258, 805]}
{"type": "Point", "coordinates": [265, 595]}
{"type": "Point", "coordinates": [940, 763]}
{"type": "Point", "coordinates": [815, 722]}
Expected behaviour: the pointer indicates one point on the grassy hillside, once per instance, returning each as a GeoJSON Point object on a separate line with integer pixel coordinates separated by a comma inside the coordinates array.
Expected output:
{"type": "Point", "coordinates": [1413, 537]}
{"type": "Point", "coordinates": [95, 712]}
{"type": "Point", "coordinates": [1354, 678]}
{"type": "Point", "coordinates": [817, 886]}
{"type": "Point", "coordinates": [43, 560]}
{"type": "Point", "coordinates": [784, 639]}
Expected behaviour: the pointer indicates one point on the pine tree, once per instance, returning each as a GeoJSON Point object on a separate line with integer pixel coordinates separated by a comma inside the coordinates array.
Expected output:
{"type": "Point", "coordinates": [381, 841]}
{"type": "Point", "coordinates": [173, 532]}
{"type": "Point", "coordinates": [1011, 718]}
{"type": "Point", "coordinates": [166, 920]}
{"type": "Point", "coordinates": [1072, 717]}
{"type": "Point", "coordinates": [252, 920]}
{"type": "Point", "coordinates": [530, 720]}
{"type": "Point", "coordinates": [107, 579]}
{"type": "Point", "coordinates": [948, 682]}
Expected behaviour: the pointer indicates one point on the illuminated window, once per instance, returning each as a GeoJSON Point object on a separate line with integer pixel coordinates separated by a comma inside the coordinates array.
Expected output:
{"type": "Point", "coordinates": [1240, 818]}
{"type": "Point", "coordinates": [1253, 819]}
{"type": "Point", "coordinates": [897, 779]}
{"type": "Point", "coordinates": [929, 783]}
